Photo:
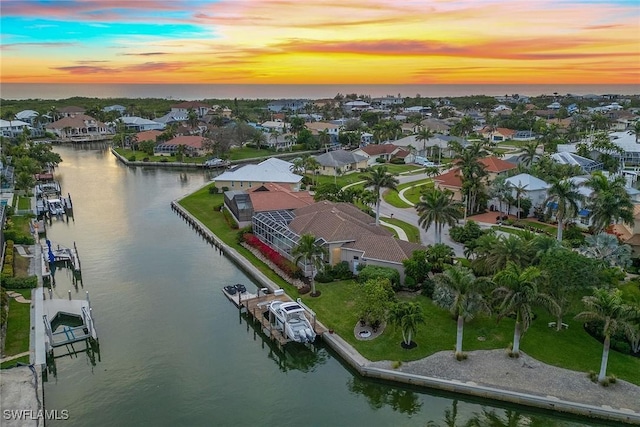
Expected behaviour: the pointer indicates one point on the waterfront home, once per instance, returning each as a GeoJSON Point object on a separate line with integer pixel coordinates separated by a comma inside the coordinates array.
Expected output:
{"type": "Point", "coordinates": [624, 140]}
{"type": "Point", "coordinates": [357, 105]}
{"type": "Point", "coordinates": [532, 188]}
{"type": "Point", "coordinates": [248, 176]}
{"type": "Point", "coordinates": [193, 146]}
{"type": "Point", "coordinates": [28, 116]}
{"type": "Point", "coordinates": [386, 152]}
{"type": "Point", "coordinates": [13, 128]}
{"type": "Point", "coordinates": [269, 197]}
{"type": "Point", "coordinates": [79, 127]}
{"type": "Point", "coordinates": [148, 135]}
{"type": "Point", "coordinates": [438, 143]}
{"type": "Point", "coordinates": [331, 129]}
{"type": "Point", "coordinates": [339, 162]}
{"type": "Point", "coordinates": [387, 101]}
{"type": "Point", "coordinates": [139, 124]}
{"type": "Point", "coordinates": [347, 233]}
{"type": "Point", "coordinates": [120, 109]}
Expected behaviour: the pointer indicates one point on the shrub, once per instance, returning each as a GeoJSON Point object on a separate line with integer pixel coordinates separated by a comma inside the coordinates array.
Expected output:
{"type": "Point", "coordinates": [286, 266]}
{"type": "Point", "coordinates": [341, 271]}
{"type": "Point", "coordinates": [20, 282]}
{"type": "Point", "coordinates": [410, 282]}
{"type": "Point", "coordinates": [397, 161]}
{"type": "Point", "coordinates": [427, 288]}
{"type": "Point", "coordinates": [213, 189]}
{"type": "Point", "coordinates": [380, 160]}
{"type": "Point", "coordinates": [146, 159]}
{"type": "Point", "coordinates": [225, 188]}
{"type": "Point", "coordinates": [371, 272]}
{"type": "Point", "coordinates": [164, 160]}
{"type": "Point", "coordinates": [323, 277]}
{"type": "Point", "coordinates": [463, 234]}
{"type": "Point", "coordinates": [132, 158]}
{"type": "Point", "coordinates": [230, 219]}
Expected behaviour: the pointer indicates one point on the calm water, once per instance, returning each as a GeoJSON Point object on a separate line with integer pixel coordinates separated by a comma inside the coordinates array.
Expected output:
{"type": "Point", "coordinates": [213, 91]}
{"type": "Point", "coordinates": [174, 351]}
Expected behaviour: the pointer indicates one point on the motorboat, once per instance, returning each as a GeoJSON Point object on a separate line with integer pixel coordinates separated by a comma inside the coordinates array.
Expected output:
{"type": "Point", "coordinates": [230, 289]}
{"type": "Point", "coordinates": [55, 207]}
{"type": "Point", "coordinates": [290, 319]}
{"type": "Point", "coordinates": [240, 288]}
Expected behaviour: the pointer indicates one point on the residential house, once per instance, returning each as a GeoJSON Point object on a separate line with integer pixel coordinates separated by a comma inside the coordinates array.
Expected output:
{"type": "Point", "coordinates": [498, 134]}
{"type": "Point", "coordinates": [452, 179]}
{"type": "Point", "coordinates": [13, 128]}
{"type": "Point", "coordinates": [357, 105]}
{"type": "Point", "coordinates": [366, 138]}
{"type": "Point", "coordinates": [193, 146]}
{"type": "Point", "coordinates": [272, 170]}
{"type": "Point", "coordinates": [182, 109]}
{"type": "Point", "coordinates": [587, 165]}
{"type": "Point", "coordinates": [269, 197]}
{"type": "Point", "coordinates": [291, 105]}
{"type": "Point", "coordinates": [332, 130]}
{"type": "Point", "coordinates": [534, 188]}
{"type": "Point", "coordinates": [524, 135]}
{"type": "Point", "coordinates": [338, 162]}
{"type": "Point", "coordinates": [172, 117]}
{"type": "Point", "coordinates": [438, 144]}
{"type": "Point", "coordinates": [347, 233]}
{"type": "Point", "coordinates": [148, 135]}
{"type": "Point", "coordinates": [28, 116]}
{"type": "Point", "coordinates": [386, 152]}
{"type": "Point", "coordinates": [630, 233]}
{"type": "Point", "coordinates": [139, 124]}
{"type": "Point", "coordinates": [120, 109]}
{"type": "Point", "coordinates": [79, 127]}
{"type": "Point", "coordinates": [387, 101]}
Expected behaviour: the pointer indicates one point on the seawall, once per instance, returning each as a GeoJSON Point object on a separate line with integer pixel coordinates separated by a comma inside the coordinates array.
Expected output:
{"type": "Point", "coordinates": [364, 368]}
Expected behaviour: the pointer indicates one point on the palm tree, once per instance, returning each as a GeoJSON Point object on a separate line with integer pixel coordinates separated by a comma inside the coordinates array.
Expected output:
{"type": "Point", "coordinates": [407, 315]}
{"type": "Point", "coordinates": [529, 153]}
{"type": "Point", "coordinates": [606, 307]}
{"type": "Point", "coordinates": [311, 253]}
{"type": "Point", "coordinates": [466, 290]}
{"type": "Point", "coordinates": [609, 201]}
{"type": "Point", "coordinates": [324, 138]}
{"type": "Point", "coordinates": [424, 135]}
{"type": "Point", "coordinates": [566, 196]}
{"type": "Point", "coordinates": [472, 171]}
{"type": "Point", "coordinates": [438, 207]}
{"type": "Point", "coordinates": [635, 130]}
{"type": "Point", "coordinates": [520, 190]}
{"type": "Point", "coordinates": [379, 178]}
{"type": "Point", "coordinates": [518, 291]}
{"type": "Point", "coordinates": [607, 249]}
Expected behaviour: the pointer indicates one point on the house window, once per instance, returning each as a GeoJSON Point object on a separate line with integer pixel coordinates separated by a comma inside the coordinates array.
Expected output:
{"type": "Point", "coordinates": [356, 257]}
{"type": "Point", "coordinates": [241, 184]}
{"type": "Point", "coordinates": [233, 184]}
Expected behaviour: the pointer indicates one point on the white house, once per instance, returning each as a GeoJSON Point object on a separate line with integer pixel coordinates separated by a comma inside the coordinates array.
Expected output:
{"type": "Point", "coordinates": [13, 128]}
{"type": "Point", "coordinates": [139, 124]}
{"type": "Point", "coordinates": [247, 176]}
{"type": "Point", "coordinates": [534, 188]}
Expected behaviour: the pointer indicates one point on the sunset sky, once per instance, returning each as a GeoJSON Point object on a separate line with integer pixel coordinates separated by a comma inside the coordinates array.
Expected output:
{"type": "Point", "coordinates": [325, 42]}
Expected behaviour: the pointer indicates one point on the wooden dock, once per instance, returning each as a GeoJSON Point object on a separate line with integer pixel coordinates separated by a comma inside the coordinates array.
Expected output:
{"type": "Point", "coordinates": [256, 305]}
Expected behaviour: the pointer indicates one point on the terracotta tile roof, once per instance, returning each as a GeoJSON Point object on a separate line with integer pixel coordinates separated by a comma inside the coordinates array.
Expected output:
{"type": "Point", "coordinates": [188, 140]}
{"type": "Point", "coordinates": [318, 126]}
{"type": "Point", "coordinates": [377, 149]}
{"type": "Point", "coordinates": [450, 179]}
{"type": "Point", "coordinates": [76, 122]}
{"type": "Point", "coordinates": [497, 165]}
{"type": "Point", "coordinates": [273, 197]}
{"type": "Point", "coordinates": [148, 135]}
{"type": "Point", "coordinates": [384, 248]}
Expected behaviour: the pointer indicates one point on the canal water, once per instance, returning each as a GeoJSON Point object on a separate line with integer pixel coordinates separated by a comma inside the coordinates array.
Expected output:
{"type": "Point", "coordinates": [175, 352]}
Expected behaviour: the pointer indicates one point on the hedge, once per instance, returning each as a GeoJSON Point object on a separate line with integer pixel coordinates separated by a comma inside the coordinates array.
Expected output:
{"type": "Point", "coordinates": [20, 282]}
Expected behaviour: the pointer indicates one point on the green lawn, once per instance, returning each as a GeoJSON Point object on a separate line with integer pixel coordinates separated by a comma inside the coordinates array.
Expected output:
{"type": "Point", "coordinates": [393, 198]}
{"type": "Point", "coordinates": [18, 326]}
{"type": "Point", "coordinates": [398, 169]}
{"type": "Point", "coordinates": [12, 363]}
{"type": "Point", "coordinates": [572, 348]}
{"type": "Point", "coordinates": [340, 180]}
{"type": "Point", "coordinates": [249, 153]}
{"type": "Point", "coordinates": [24, 203]}
{"type": "Point", "coordinates": [413, 233]}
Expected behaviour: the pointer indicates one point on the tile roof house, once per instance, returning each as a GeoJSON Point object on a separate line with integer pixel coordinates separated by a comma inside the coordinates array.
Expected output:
{"type": "Point", "coordinates": [498, 134]}
{"type": "Point", "coordinates": [452, 180]}
{"type": "Point", "coordinates": [264, 198]}
{"type": "Point", "coordinates": [630, 234]}
{"type": "Point", "coordinates": [351, 235]}
{"type": "Point", "coordinates": [340, 161]}
{"type": "Point", "coordinates": [79, 127]}
{"type": "Point", "coordinates": [193, 146]}
{"type": "Point", "coordinates": [385, 152]}
{"type": "Point", "coordinates": [71, 111]}
{"type": "Point", "coordinates": [148, 135]}
{"type": "Point", "coordinates": [182, 109]}
{"type": "Point", "coordinates": [247, 176]}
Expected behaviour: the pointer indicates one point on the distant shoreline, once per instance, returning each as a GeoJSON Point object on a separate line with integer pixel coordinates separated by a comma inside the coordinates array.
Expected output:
{"type": "Point", "coordinates": [192, 92]}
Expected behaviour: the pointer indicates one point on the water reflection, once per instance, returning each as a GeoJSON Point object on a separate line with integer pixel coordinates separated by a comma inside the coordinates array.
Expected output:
{"type": "Point", "coordinates": [91, 351]}
{"type": "Point", "coordinates": [292, 356]}
{"type": "Point", "coordinates": [379, 395]}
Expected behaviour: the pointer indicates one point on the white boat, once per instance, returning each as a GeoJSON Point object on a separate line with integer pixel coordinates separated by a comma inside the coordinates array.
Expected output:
{"type": "Point", "coordinates": [290, 318]}
{"type": "Point", "coordinates": [54, 206]}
